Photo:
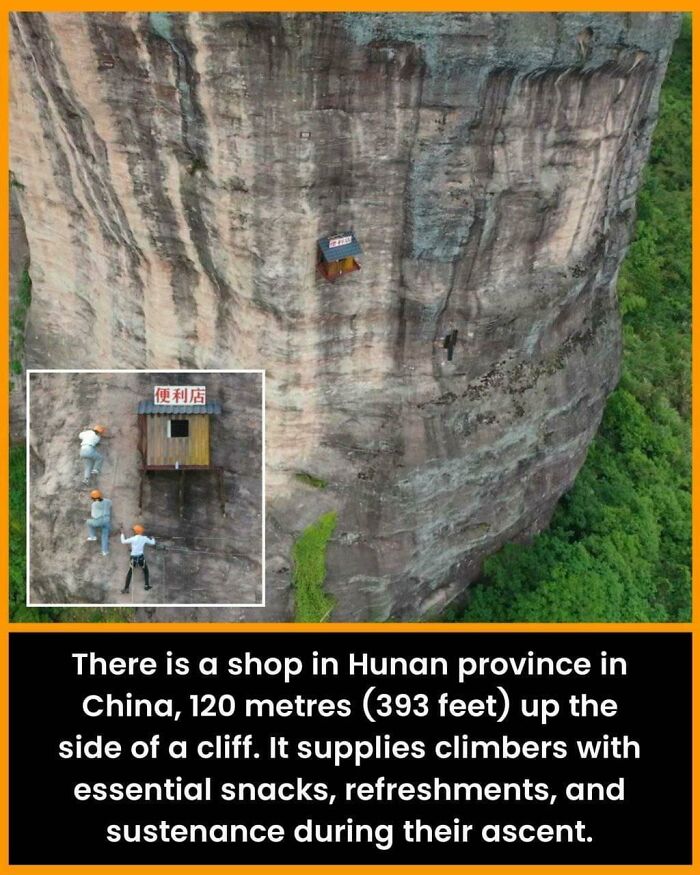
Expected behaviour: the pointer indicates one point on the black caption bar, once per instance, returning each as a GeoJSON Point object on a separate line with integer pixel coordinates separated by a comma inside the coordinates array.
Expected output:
{"type": "Point", "coordinates": [350, 748]}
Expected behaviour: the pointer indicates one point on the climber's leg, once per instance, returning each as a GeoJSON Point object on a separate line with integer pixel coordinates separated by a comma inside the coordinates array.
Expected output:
{"type": "Point", "coordinates": [105, 539]}
{"type": "Point", "coordinates": [87, 454]}
{"type": "Point", "coordinates": [97, 461]}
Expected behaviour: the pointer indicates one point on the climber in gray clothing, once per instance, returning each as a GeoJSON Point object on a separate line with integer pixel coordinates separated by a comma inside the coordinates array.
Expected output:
{"type": "Point", "coordinates": [100, 519]}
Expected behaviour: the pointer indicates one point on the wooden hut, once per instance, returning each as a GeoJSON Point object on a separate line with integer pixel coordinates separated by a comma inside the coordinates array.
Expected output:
{"type": "Point", "coordinates": [177, 438]}
{"type": "Point", "coordinates": [336, 255]}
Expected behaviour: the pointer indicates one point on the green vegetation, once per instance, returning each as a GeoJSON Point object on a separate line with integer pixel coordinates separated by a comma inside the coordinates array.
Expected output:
{"type": "Point", "coordinates": [313, 605]}
{"type": "Point", "coordinates": [196, 165]}
{"type": "Point", "coordinates": [15, 183]}
{"type": "Point", "coordinates": [18, 322]}
{"type": "Point", "coordinates": [618, 548]}
{"type": "Point", "coordinates": [19, 612]}
{"type": "Point", "coordinates": [310, 480]}
{"type": "Point", "coordinates": [18, 559]}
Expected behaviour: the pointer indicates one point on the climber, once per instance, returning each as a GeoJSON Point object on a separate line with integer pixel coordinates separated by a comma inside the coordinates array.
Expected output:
{"type": "Point", "coordinates": [92, 458]}
{"type": "Point", "coordinates": [137, 560]}
{"type": "Point", "coordinates": [450, 342]}
{"type": "Point", "coordinates": [100, 519]}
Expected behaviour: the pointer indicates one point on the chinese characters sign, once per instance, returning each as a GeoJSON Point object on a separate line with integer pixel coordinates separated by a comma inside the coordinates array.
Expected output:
{"type": "Point", "coordinates": [339, 241]}
{"type": "Point", "coordinates": [179, 394]}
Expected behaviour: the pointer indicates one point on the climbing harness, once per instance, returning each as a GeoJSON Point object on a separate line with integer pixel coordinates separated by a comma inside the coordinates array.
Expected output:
{"type": "Point", "coordinates": [137, 562]}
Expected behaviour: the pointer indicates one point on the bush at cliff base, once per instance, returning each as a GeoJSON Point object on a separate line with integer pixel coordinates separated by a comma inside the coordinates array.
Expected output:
{"type": "Point", "coordinates": [618, 548]}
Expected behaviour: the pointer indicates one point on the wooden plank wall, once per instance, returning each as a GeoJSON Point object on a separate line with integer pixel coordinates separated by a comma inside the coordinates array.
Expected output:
{"type": "Point", "coordinates": [192, 450]}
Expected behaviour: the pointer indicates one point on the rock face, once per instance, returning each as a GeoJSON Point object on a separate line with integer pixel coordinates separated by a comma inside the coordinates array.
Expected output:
{"type": "Point", "coordinates": [178, 170]}
{"type": "Point", "coordinates": [19, 263]}
{"type": "Point", "coordinates": [201, 557]}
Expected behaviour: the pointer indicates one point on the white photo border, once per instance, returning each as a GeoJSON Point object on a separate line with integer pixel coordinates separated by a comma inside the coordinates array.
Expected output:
{"type": "Point", "coordinates": [29, 374]}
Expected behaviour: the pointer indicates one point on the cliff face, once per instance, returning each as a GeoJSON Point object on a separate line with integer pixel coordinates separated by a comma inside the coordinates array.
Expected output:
{"type": "Point", "coordinates": [178, 169]}
{"type": "Point", "coordinates": [201, 556]}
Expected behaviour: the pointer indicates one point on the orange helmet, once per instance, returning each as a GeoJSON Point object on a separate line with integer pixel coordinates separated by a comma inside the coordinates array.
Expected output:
{"type": "Point", "coordinates": [95, 493]}
{"type": "Point", "coordinates": [100, 429]}
{"type": "Point", "coordinates": [138, 529]}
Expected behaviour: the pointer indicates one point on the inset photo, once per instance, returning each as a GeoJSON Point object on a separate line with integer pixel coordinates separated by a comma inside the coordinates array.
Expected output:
{"type": "Point", "coordinates": [145, 488]}
{"type": "Point", "coordinates": [458, 245]}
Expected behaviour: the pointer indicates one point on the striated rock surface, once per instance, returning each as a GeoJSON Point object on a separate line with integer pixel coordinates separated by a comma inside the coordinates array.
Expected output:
{"type": "Point", "coordinates": [19, 264]}
{"type": "Point", "coordinates": [179, 168]}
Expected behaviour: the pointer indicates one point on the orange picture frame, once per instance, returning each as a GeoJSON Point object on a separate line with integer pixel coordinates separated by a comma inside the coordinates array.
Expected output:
{"type": "Point", "coordinates": [328, 628]}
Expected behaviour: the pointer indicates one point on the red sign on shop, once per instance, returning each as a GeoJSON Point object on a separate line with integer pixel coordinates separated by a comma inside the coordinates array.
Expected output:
{"type": "Point", "coordinates": [339, 241]}
{"type": "Point", "coordinates": [190, 395]}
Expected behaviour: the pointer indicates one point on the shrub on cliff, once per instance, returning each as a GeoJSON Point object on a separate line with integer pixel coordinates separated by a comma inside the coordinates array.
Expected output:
{"type": "Point", "coordinates": [312, 603]}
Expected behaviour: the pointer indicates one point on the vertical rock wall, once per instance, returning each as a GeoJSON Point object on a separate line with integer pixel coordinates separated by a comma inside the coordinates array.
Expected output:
{"type": "Point", "coordinates": [179, 168]}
